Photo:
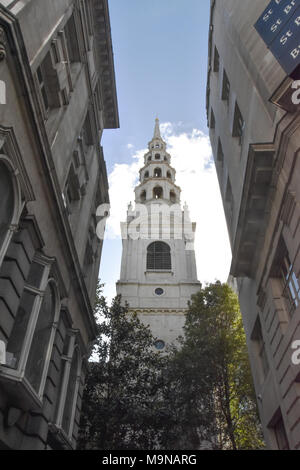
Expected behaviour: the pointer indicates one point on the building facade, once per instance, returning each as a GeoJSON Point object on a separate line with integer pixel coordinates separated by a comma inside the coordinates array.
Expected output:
{"type": "Point", "coordinates": [57, 95]}
{"type": "Point", "coordinates": [254, 122]}
{"type": "Point", "coordinates": [158, 269]}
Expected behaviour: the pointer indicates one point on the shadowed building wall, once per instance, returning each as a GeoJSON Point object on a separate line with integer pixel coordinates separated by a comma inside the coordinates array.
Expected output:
{"type": "Point", "coordinates": [57, 64]}
{"type": "Point", "coordinates": [255, 136]}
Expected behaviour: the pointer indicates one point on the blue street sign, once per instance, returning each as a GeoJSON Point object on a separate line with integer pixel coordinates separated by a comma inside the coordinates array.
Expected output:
{"type": "Point", "coordinates": [286, 46]}
{"type": "Point", "coordinates": [274, 18]}
{"type": "Point", "coordinates": [279, 27]}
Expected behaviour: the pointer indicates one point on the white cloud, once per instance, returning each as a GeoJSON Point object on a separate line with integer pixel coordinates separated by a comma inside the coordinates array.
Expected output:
{"type": "Point", "coordinates": [192, 158]}
{"type": "Point", "coordinates": [130, 146]}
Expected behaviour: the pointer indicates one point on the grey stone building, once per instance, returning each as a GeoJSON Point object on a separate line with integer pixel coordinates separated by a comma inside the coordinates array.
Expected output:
{"type": "Point", "coordinates": [57, 94]}
{"type": "Point", "coordinates": [254, 121]}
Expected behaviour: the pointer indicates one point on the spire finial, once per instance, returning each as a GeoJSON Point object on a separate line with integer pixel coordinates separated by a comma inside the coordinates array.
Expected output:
{"type": "Point", "coordinates": [156, 129]}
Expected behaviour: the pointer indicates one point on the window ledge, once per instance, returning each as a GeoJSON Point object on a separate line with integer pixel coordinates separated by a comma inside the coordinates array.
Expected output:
{"type": "Point", "coordinates": [19, 389]}
{"type": "Point", "coordinates": [59, 435]}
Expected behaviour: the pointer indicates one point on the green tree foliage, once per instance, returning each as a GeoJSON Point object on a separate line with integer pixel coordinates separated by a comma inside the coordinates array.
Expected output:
{"type": "Point", "coordinates": [214, 351]}
{"type": "Point", "coordinates": [198, 395]}
{"type": "Point", "coordinates": [122, 406]}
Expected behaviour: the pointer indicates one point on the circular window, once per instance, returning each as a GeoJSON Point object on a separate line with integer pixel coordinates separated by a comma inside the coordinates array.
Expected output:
{"type": "Point", "coordinates": [159, 344]}
{"type": "Point", "coordinates": [159, 291]}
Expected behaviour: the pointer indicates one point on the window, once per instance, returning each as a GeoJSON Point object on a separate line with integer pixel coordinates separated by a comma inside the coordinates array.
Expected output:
{"type": "Point", "coordinates": [69, 411]}
{"type": "Point", "coordinates": [31, 339]}
{"type": "Point", "coordinates": [159, 344]}
{"type": "Point", "coordinates": [42, 86]}
{"type": "Point", "coordinates": [87, 133]}
{"type": "Point", "coordinates": [149, 158]}
{"type": "Point", "coordinates": [143, 196]}
{"type": "Point", "coordinates": [225, 87]}
{"type": "Point", "coordinates": [212, 123]}
{"type": "Point", "coordinates": [257, 337]}
{"type": "Point", "coordinates": [172, 196]}
{"type": "Point", "coordinates": [146, 175]}
{"type": "Point", "coordinates": [229, 198]}
{"type": "Point", "coordinates": [169, 175]}
{"type": "Point", "coordinates": [216, 66]}
{"type": "Point", "coordinates": [87, 23]}
{"type": "Point", "coordinates": [72, 41]}
{"type": "Point", "coordinates": [157, 192]}
{"type": "Point", "coordinates": [157, 173]}
{"type": "Point", "coordinates": [69, 386]}
{"type": "Point", "coordinates": [72, 192]}
{"type": "Point", "coordinates": [157, 156]}
{"type": "Point", "coordinates": [220, 154]}
{"type": "Point", "coordinates": [7, 201]}
{"type": "Point", "coordinates": [159, 291]}
{"type": "Point", "coordinates": [283, 270]}
{"type": "Point", "coordinates": [277, 425]}
{"type": "Point", "coordinates": [38, 351]}
{"type": "Point", "coordinates": [10, 204]}
{"type": "Point", "coordinates": [159, 256]}
{"type": "Point", "coordinates": [281, 436]}
{"type": "Point", "coordinates": [48, 85]}
{"type": "Point", "coordinates": [238, 123]}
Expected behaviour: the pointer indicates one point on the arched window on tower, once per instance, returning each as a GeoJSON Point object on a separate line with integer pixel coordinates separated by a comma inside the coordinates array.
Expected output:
{"type": "Point", "coordinates": [169, 175]}
{"type": "Point", "coordinates": [158, 256]}
{"type": "Point", "coordinates": [143, 196]}
{"type": "Point", "coordinates": [157, 173]}
{"type": "Point", "coordinates": [157, 156]}
{"type": "Point", "coordinates": [146, 175]}
{"type": "Point", "coordinates": [172, 196]}
{"type": "Point", "coordinates": [149, 158]}
{"type": "Point", "coordinates": [157, 192]}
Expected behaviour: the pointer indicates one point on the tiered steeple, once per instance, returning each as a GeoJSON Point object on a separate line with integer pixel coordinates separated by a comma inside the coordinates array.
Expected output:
{"type": "Point", "coordinates": [158, 270]}
{"type": "Point", "coordinates": [157, 177]}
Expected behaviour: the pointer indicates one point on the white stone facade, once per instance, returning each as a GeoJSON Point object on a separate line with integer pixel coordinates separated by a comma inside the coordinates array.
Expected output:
{"type": "Point", "coordinates": [158, 285]}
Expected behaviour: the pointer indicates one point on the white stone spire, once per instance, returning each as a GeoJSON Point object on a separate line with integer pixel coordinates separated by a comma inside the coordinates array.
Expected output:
{"type": "Point", "coordinates": [156, 130]}
{"type": "Point", "coordinates": [157, 176]}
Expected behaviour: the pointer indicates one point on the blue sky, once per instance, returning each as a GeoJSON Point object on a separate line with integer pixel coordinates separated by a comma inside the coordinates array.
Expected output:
{"type": "Point", "coordinates": [160, 53]}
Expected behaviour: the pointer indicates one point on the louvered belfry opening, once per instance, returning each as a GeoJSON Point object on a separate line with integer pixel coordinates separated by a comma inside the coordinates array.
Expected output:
{"type": "Point", "coordinates": [159, 256]}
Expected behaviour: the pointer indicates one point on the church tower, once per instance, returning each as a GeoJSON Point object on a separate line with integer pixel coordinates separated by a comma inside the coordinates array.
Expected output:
{"type": "Point", "coordinates": [158, 270]}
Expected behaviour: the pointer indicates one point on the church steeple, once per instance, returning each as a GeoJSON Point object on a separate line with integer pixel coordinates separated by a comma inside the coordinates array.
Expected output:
{"type": "Point", "coordinates": [157, 177]}
{"type": "Point", "coordinates": [158, 270]}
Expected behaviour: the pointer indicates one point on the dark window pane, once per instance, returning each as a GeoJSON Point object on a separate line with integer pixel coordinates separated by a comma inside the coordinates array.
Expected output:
{"type": "Point", "coordinates": [281, 436]}
{"type": "Point", "coordinates": [40, 341]}
{"type": "Point", "coordinates": [7, 200]}
{"type": "Point", "coordinates": [159, 344]}
{"type": "Point", "coordinates": [40, 75]}
{"type": "Point", "coordinates": [17, 336]}
{"type": "Point", "coordinates": [158, 256]}
{"type": "Point", "coordinates": [66, 422]}
{"type": "Point", "coordinates": [45, 98]}
{"type": "Point", "coordinates": [35, 275]}
{"type": "Point", "coordinates": [159, 291]}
